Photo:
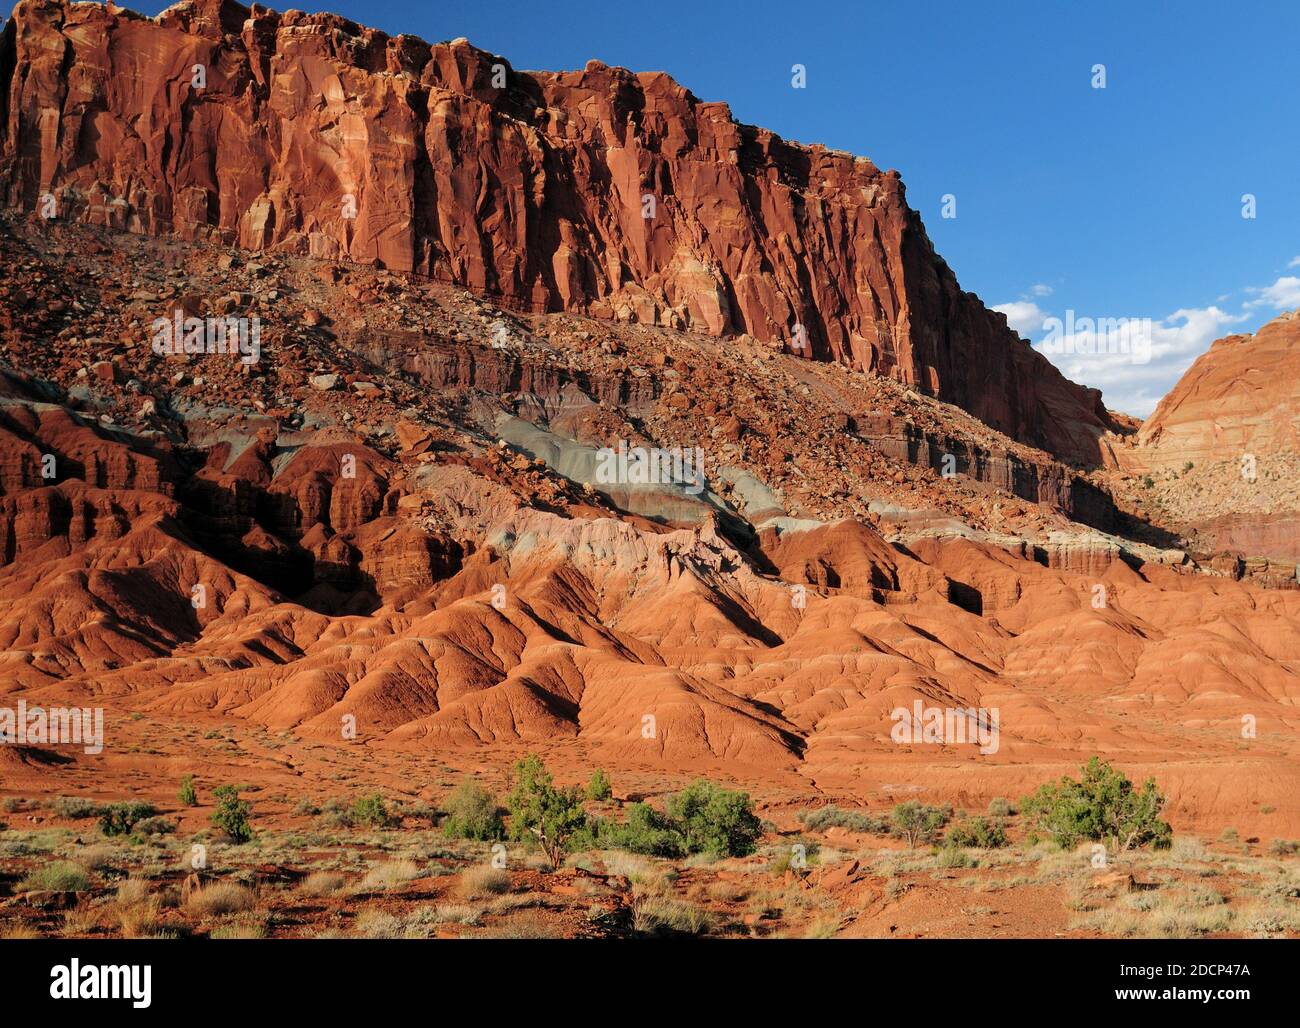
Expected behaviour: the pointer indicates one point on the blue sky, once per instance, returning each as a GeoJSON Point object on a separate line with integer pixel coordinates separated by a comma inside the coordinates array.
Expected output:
{"type": "Point", "coordinates": [1117, 202]}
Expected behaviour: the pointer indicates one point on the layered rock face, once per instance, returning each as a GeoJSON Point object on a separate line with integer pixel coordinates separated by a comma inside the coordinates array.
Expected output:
{"type": "Point", "coordinates": [614, 194]}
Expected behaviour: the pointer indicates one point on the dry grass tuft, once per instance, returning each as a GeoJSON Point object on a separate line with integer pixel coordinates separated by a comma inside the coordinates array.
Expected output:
{"type": "Point", "coordinates": [219, 898]}
{"type": "Point", "coordinates": [322, 883]}
{"type": "Point", "coordinates": [479, 882]}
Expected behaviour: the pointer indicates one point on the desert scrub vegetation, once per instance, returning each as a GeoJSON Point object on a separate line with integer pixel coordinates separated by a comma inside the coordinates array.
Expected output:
{"type": "Point", "coordinates": [703, 820]}
{"type": "Point", "coordinates": [60, 876]}
{"type": "Point", "coordinates": [797, 856]}
{"type": "Point", "coordinates": [76, 808]}
{"type": "Point", "coordinates": [241, 927]}
{"type": "Point", "coordinates": [187, 797]}
{"type": "Point", "coordinates": [522, 925]}
{"type": "Point", "coordinates": [715, 820]}
{"type": "Point", "coordinates": [391, 874]}
{"type": "Point", "coordinates": [818, 819]}
{"type": "Point", "coordinates": [639, 870]}
{"type": "Point", "coordinates": [598, 787]}
{"type": "Point", "coordinates": [540, 811]}
{"type": "Point", "coordinates": [153, 826]}
{"type": "Point", "coordinates": [136, 909]}
{"type": "Point", "coordinates": [1177, 914]}
{"type": "Point", "coordinates": [122, 818]}
{"type": "Point", "coordinates": [100, 857]}
{"type": "Point", "coordinates": [483, 881]}
{"type": "Point", "coordinates": [1102, 806]}
{"type": "Point", "coordinates": [978, 833]}
{"type": "Point", "coordinates": [322, 883]}
{"type": "Point", "coordinates": [372, 812]}
{"type": "Point", "coordinates": [218, 898]}
{"type": "Point", "coordinates": [917, 823]}
{"type": "Point", "coordinates": [662, 915]}
{"type": "Point", "coordinates": [473, 813]}
{"type": "Point", "coordinates": [231, 815]}
{"type": "Point", "coordinates": [1189, 848]}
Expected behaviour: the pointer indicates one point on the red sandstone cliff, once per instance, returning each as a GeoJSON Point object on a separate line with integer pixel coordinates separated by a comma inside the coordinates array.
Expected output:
{"type": "Point", "coordinates": [312, 134]}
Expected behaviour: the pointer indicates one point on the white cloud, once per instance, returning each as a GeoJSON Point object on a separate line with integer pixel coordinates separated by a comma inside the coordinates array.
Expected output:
{"type": "Point", "coordinates": [1282, 295]}
{"type": "Point", "coordinates": [1128, 382]}
{"type": "Point", "coordinates": [1024, 316]}
{"type": "Point", "coordinates": [1135, 362]}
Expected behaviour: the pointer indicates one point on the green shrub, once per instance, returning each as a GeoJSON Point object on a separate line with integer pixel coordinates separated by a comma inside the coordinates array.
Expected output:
{"type": "Point", "coordinates": [979, 832]}
{"type": "Point", "coordinates": [121, 818]}
{"type": "Point", "coordinates": [715, 820]}
{"type": "Point", "coordinates": [820, 818]}
{"type": "Point", "coordinates": [473, 813]}
{"type": "Point", "coordinates": [187, 796]}
{"type": "Point", "coordinates": [371, 810]}
{"type": "Point", "coordinates": [541, 811]}
{"type": "Point", "coordinates": [647, 831]}
{"type": "Point", "coordinates": [999, 806]}
{"type": "Point", "coordinates": [918, 823]}
{"type": "Point", "coordinates": [599, 788]}
{"type": "Point", "coordinates": [1103, 806]}
{"type": "Point", "coordinates": [703, 818]}
{"type": "Point", "coordinates": [1284, 847]}
{"type": "Point", "coordinates": [231, 815]}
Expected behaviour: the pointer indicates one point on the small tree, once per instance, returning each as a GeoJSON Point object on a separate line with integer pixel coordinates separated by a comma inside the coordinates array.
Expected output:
{"type": "Point", "coordinates": [715, 820]}
{"type": "Point", "coordinates": [542, 811]}
{"type": "Point", "coordinates": [187, 796]}
{"type": "Point", "coordinates": [918, 823]}
{"type": "Point", "coordinates": [231, 815]}
{"type": "Point", "coordinates": [473, 813]}
{"type": "Point", "coordinates": [598, 788]}
{"type": "Point", "coordinates": [1103, 805]}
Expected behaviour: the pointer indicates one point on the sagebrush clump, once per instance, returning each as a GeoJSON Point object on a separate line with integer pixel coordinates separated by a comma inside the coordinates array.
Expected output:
{"type": "Point", "coordinates": [473, 813]}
